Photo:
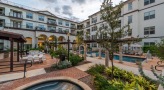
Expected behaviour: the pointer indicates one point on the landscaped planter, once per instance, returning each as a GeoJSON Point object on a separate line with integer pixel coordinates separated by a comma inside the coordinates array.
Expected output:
{"type": "Point", "coordinates": [1, 56]}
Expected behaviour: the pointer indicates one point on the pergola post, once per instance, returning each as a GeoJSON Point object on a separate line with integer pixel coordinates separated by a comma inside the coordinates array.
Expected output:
{"type": "Point", "coordinates": [21, 49]}
{"type": "Point", "coordinates": [17, 51]}
{"type": "Point", "coordinates": [120, 52]}
{"type": "Point", "coordinates": [106, 58]}
{"type": "Point", "coordinates": [99, 52]}
{"type": "Point", "coordinates": [11, 54]}
{"type": "Point", "coordinates": [85, 51]}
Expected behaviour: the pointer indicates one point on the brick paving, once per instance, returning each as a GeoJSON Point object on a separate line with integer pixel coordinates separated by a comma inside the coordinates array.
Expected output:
{"type": "Point", "coordinates": [70, 72]}
{"type": "Point", "coordinates": [47, 63]}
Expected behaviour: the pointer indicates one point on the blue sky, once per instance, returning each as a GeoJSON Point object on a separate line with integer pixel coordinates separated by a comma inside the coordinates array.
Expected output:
{"type": "Point", "coordinates": [76, 9]}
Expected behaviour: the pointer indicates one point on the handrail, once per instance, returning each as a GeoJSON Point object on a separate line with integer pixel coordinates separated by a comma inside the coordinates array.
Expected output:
{"type": "Point", "coordinates": [18, 65]}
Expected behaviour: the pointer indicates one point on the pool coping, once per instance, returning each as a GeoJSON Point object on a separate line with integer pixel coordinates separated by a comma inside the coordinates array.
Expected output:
{"type": "Point", "coordinates": [76, 81]}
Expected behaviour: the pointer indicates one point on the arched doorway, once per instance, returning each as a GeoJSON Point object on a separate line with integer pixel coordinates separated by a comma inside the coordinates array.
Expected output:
{"type": "Point", "coordinates": [41, 39]}
{"type": "Point", "coordinates": [28, 44]}
{"type": "Point", "coordinates": [53, 42]}
{"type": "Point", "coordinates": [61, 39]}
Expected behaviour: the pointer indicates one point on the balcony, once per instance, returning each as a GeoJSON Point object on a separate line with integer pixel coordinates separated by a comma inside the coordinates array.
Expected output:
{"type": "Point", "coordinates": [16, 15]}
{"type": "Point", "coordinates": [51, 23]}
{"type": "Point", "coordinates": [40, 28]}
{"type": "Point", "coordinates": [73, 27]}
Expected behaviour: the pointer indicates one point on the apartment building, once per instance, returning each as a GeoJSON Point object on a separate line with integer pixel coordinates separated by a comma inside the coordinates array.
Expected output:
{"type": "Point", "coordinates": [145, 18]}
{"type": "Point", "coordinates": [37, 26]}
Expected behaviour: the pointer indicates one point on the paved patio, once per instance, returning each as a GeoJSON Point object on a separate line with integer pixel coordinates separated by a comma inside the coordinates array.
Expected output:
{"type": "Point", "coordinates": [47, 63]}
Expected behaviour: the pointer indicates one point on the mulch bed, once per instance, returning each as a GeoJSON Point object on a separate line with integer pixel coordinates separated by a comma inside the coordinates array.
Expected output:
{"type": "Point", "coordinates": [50, 69]}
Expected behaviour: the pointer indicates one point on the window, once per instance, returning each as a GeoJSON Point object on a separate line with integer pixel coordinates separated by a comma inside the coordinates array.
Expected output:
{"type": "Point", "coordinates": [94, 44]}
{"type": "Point", "coordinates": [16, 24]}
{"type": "Point", "coordinates": [60, 29]}
{"type": "Point", "coordinates": [149, 30]}
{"type": "Point", "coordinates": [94, 28]}
{"type": "Point", "coordinates": [51, 28]}
{"type": "Point", "coordinates": [130, 6]}
{"type": "Point", "coordinates": [149, 15]}
{"type": "Point", "coordinates": [129, 19]}
{"type": "Point", "coordinates": [2, 11]}
{"type": "Point", "coordinates": [130, 32]}
{"type": "Point", "coordinates": [41, 18]}
{"type": "Point", "coordinates": [1, 23]}
{"type": "Point", "coordinates": [29, 25]}
{"type": "Point", "coordinates": [16, 14]}
{"type": "Point", "coordinates": [66, 23]}
{"type": "Point", "coordinates": [29, 15]}
{"type": "Point", "coordinates": [1, 44]}
{"type": "Point", "coordinates": [147, 2]}
{"type": "Point", "coordinates": [94, 37]}
{"type": "Point", "coordinates": [149, 43]}
{"type": "Point", "coordinates": [41, 27]}
{"type": "Point", "coordinates": [94, 20]}
{"type": "Point", "coordinates": [60, 22]}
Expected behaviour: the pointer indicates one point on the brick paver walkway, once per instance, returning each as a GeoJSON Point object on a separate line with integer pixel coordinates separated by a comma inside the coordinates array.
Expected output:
{"type": "Point", "coordinates": [70, 72]}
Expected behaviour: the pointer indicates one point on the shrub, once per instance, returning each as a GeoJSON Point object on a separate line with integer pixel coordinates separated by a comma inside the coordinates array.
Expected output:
{"type": "Point", "coordinates": [75, 59]}
{"type": "Point", "coordinates": [96, 69]}
{"type": "Point", "coordinates": [61, 65]}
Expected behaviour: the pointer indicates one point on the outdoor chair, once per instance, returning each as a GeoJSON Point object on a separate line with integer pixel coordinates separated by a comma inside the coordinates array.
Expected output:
{"type": "Point", "coordinates": [36, 59]}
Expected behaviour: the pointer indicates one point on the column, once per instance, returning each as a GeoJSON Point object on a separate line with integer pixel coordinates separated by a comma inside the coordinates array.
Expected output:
{"type": "Point", "coordinates": [36, 43]}
{"type": "Point", "coordinates": [120, 53]}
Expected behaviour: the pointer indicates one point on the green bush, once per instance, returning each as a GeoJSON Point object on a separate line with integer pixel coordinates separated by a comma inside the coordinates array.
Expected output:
{"type": "Point", "coordinates": [96, 69]}
{"type": "Point", "coordinates": [123, 80]}
{"type": "Point", "coordinates": [75, 59]}
{"type": "Point", "coordinates": [62, 65]}
{"type": "Point", "coordinates": [150, 48]}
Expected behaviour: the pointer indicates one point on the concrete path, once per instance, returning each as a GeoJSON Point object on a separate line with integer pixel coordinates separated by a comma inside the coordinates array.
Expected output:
{"type": "Point", "coordinates": [124, 67]}
{"type": "Point", "coordinates": [14, 76]}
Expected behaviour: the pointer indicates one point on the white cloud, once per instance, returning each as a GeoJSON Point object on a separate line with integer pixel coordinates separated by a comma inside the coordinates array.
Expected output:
{"type": "Point", "coordinates": [82, 11]}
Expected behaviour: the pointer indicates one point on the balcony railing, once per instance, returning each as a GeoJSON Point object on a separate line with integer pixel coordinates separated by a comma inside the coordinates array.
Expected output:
{"type": "Point", "coordinates": [51, 22]}
{"type": "Point", "coordinates": [73, 27]}
{"type": "Point", "coordinates": [23, 27]}
{"type": "Point", "coordinates": [19, 16]}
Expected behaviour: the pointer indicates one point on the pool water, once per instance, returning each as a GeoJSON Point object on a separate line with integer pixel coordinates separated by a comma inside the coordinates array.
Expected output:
{"type": "Point", "coordinates": [124, 58]}
{"type": "Point", "coordinates": [55, 85]}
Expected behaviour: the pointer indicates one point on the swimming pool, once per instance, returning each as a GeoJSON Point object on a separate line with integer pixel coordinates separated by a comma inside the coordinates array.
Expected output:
{"type": "Point", "coordinates": [124, 58]}
{"type": "Point", "coordinates": [55, 85]}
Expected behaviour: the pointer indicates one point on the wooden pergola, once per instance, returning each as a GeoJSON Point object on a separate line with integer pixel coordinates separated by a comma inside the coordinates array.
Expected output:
{"type": "Point", "coordinates": [13, 37]}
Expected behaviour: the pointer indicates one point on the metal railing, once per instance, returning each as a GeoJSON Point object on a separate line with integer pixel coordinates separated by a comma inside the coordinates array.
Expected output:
{"type": "Point", "coordinates": [24, 66]}
{"type": "Point", "coordinates": [11, 14]}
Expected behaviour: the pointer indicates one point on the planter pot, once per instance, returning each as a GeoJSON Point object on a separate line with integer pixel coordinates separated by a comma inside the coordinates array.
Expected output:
{"type": "Point", "coordinates": [1, 55]}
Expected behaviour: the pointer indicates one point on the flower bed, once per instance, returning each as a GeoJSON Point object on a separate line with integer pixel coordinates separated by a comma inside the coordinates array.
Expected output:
{"type": "Point", "coordinates": [123, 80]}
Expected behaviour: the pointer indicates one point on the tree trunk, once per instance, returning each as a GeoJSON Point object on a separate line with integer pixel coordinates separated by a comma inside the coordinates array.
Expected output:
{"type": "Point", "coordinates": [111, 58]}
{"type": "Point", "coordinates": [107, 58]}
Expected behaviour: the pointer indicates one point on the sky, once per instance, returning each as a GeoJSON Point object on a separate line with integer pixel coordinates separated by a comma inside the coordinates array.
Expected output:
{"type": "Point", "coordinates": [77, 10]}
